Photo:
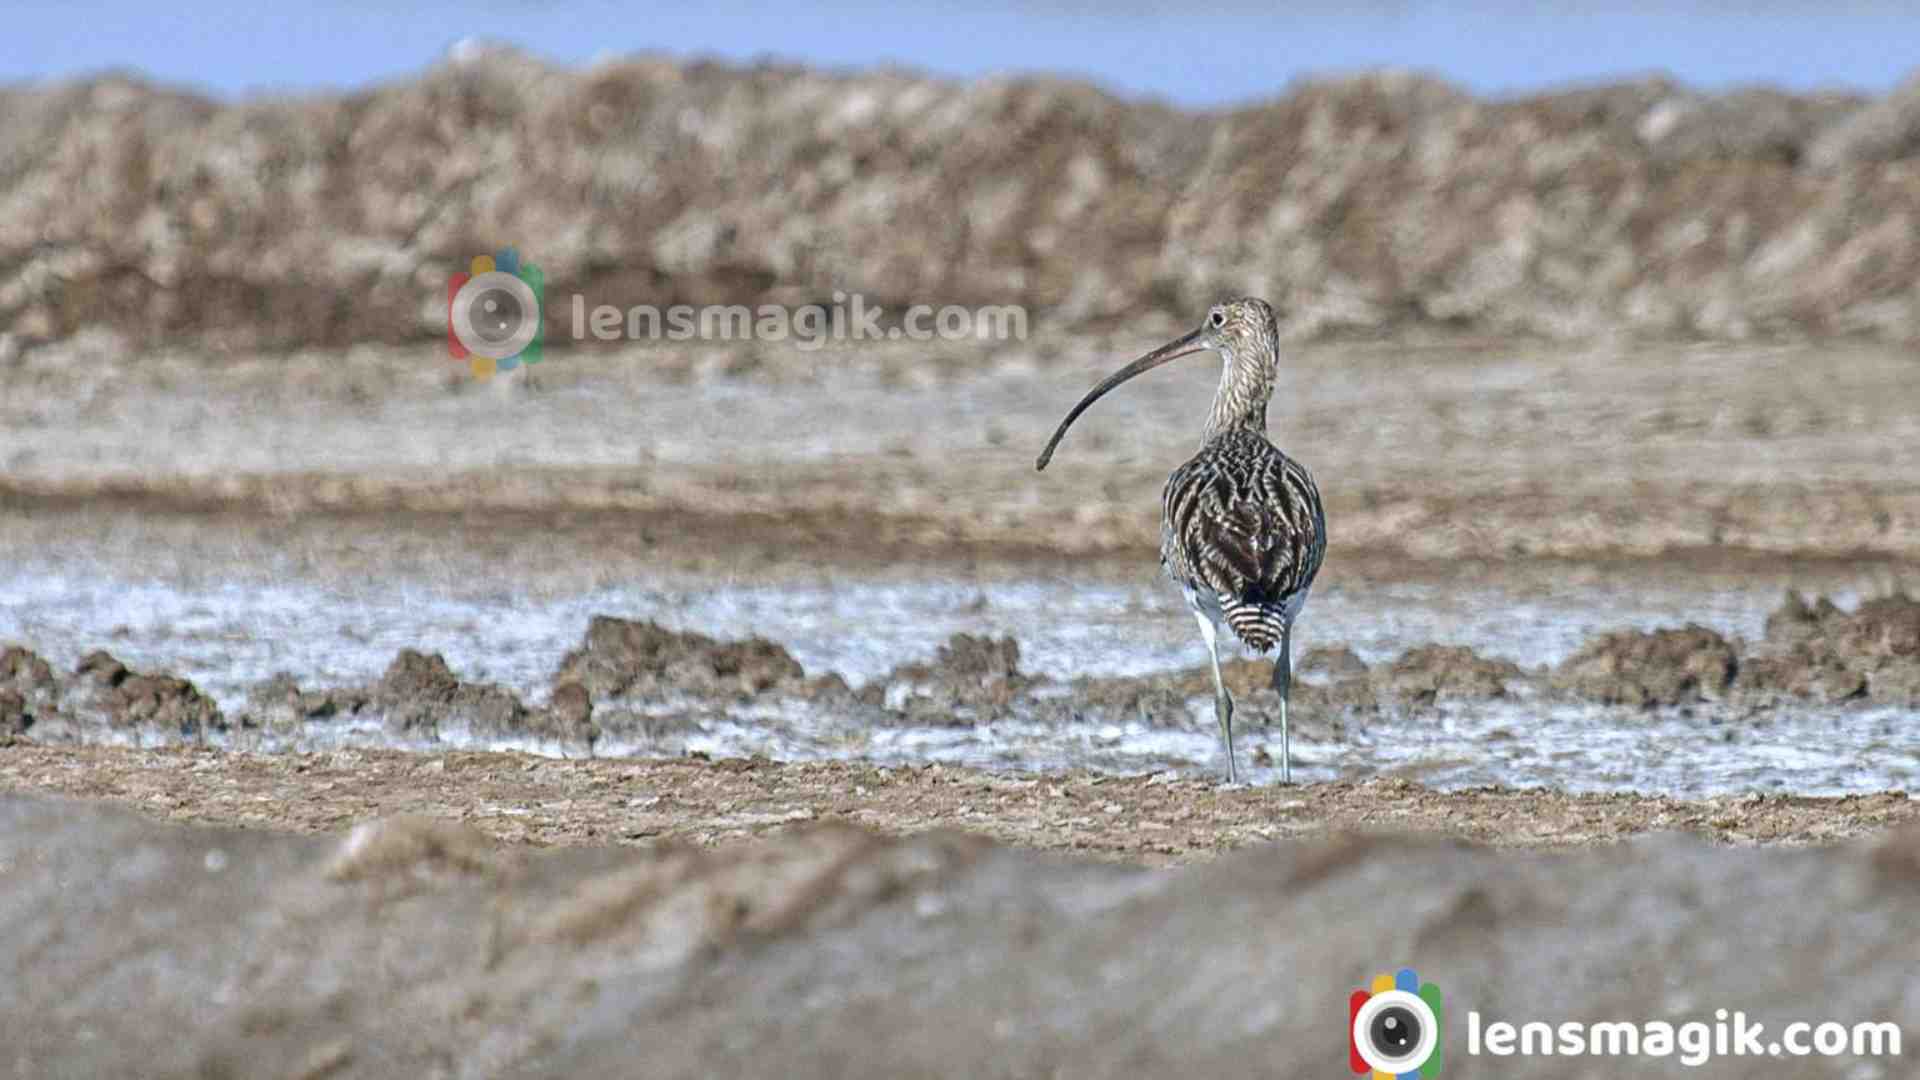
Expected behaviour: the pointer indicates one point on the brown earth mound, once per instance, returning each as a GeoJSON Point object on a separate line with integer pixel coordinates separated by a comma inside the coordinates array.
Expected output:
{"type": "Point", "coordinates": [968, 673]}
{"type": "Point", "coordinates": [23, 669]}
{"type": "Point", "coordinates": [1822, 652]}
{"type": "Point", "coordinates": [1430, 673]}
{"type": "Point", "coordinates": [623, 658]}
{"type": "Point", "coordinates": [27, 690]}
{"type": "Point", "coordinates": [1363, 203]}
{"type": "Point", "coordinates": [1665, 667]}
{"type": "Point", "coordinates": [419, 690]}
{"type": "Point", "coordinates": [1183, 699]}
{"type": "Point", "coordinates": [104, 693]}
{"type": "Point", "coordinates": [1337, 662]}
{"type": "Point", "coordinates": [420, 698]}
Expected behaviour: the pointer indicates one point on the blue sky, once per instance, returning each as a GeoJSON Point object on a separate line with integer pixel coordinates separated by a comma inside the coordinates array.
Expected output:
{"type": "Point", "coordinates": [1236, 51]}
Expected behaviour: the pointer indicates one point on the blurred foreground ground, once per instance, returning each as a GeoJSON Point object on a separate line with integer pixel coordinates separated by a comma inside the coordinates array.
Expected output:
{"type": "Point", "coordinates": [419, 947]}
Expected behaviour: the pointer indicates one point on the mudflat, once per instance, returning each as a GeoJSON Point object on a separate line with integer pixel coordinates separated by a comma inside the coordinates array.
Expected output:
{"type": "Point", "coordinates": [1158, 819]}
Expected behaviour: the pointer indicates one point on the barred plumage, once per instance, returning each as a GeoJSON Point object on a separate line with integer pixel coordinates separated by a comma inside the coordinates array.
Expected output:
{"type": "Point", "coordinates": [1242, 529]}
{"type": "Point", "coordinates": [1243, 522]}
{"type": "Point", "coordinates": [1259, 625]}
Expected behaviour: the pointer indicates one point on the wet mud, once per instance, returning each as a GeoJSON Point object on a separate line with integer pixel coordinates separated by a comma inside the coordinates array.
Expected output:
{"type": "Point", "coordinates": [636, 687]}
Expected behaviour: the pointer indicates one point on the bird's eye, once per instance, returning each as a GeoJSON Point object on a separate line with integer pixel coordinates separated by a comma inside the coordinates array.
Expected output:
{"type": "Point", "coordinates": [1219, 319]}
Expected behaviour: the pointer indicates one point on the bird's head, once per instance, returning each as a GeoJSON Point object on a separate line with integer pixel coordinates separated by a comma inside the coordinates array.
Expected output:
{"type": "Point", "coordinates": [1245, 332]}
{"type": "Point", "coordinates": [1241, 329]}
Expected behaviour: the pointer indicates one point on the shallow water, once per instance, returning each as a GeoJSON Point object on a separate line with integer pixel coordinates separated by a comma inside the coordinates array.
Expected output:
{"type": "Point", "coordinates": [228, 636]}
{"type": "Point", "coordinates": [1570, 747]}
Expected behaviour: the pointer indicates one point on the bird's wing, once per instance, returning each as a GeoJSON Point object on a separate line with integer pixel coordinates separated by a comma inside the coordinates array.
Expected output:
{"type": "Point", "coordinates": [1248, 523]}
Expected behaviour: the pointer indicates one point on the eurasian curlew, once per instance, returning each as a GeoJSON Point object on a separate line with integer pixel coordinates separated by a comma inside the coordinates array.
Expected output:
{"type": "Point", "coordinates": [1241, 529]}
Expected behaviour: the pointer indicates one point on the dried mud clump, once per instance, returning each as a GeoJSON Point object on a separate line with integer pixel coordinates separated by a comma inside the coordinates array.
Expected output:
{"type": "Point", "coordinates": [968, 672]}
{"type": "Point", "coordinates": [571, 705]}
{"type": "Point", "coordinates": [279, 705]}
{"type": "Point", "coordinates": [1333, 662]}
{"type": "Point", "coordinates": [1822, 652]}
{"type": "Point", "coordinates": [102, 695]}
{"type": "Point", "coordinates": [1334, 677]}
{"type": "Point", "coordinates": [1664, 667]}
{"type": "Point", "coordinates": [623, 658]}
{"type": "Point", "coordinates": [1432, 673]}
{"type": "Point", "coordinates": [109, 692]}
{"type": "Point", "coordinates": [28, 690]}
{"type": "Point", "coordinates": [419, 693]}
{"type": "Point", "coordinates": [567, 717]}
{"type": "Point", "coordinates": [14, 717]}
{"type": "Point", "coordinates": [1157, 701]}
{"type": "Point", "coordinates": [23, 670]}
{"type": "Point", "coordinates": [1182, 700]}
{"type": "Point", "coordinates": [164, 701]}
{"type": "Point", "coordinates": [418, 696]}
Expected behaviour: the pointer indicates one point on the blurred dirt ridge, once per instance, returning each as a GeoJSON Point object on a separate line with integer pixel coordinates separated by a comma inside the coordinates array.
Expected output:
{"type": "Point", "coordinates": [1361, 205]}
{"type": "Point", "coordinates": [418, 947]}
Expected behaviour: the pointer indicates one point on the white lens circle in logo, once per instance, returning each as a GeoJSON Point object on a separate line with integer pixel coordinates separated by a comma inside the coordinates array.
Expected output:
{"type": "Point", "coordinates": [495, 315]}
{"type": "Point", "coordinates": [1383, 1059]}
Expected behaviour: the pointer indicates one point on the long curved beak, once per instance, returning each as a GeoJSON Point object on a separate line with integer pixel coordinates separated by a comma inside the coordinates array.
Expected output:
{"type": "Point", "coordinates": [1172, 350]}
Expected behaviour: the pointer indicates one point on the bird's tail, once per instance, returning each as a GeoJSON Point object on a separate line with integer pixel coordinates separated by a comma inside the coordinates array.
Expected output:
{"type": "Point", "coordinates": [1259, 625]}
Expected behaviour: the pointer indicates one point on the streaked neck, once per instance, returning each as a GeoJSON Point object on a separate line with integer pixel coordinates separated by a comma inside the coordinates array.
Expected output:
{"type": "Point", "coordinates": [1241, 402]}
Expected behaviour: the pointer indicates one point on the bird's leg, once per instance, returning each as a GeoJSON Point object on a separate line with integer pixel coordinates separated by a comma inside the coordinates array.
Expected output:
{"type": "Point", "coordinates": [1283, 682]}
{"type": "Point", "coordinates": [1222, 701]}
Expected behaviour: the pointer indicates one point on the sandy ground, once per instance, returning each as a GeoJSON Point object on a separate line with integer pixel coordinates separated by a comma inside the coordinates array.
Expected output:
{"type": "Point", "coordinates": [1152, 820]}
